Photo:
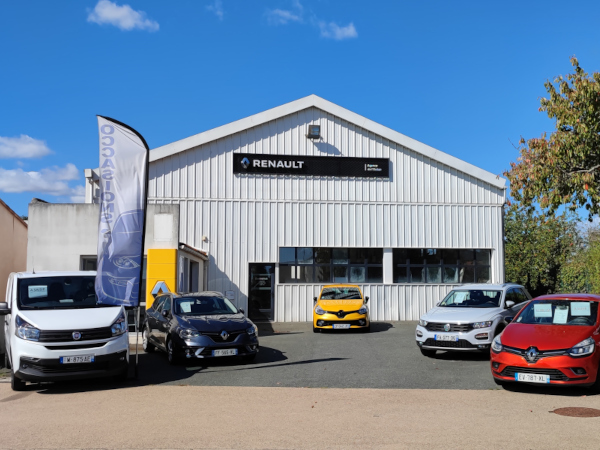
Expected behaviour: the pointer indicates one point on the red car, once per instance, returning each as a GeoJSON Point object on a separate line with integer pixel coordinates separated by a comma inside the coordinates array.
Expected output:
{"type": "Point", "coordinates": [553, 340]}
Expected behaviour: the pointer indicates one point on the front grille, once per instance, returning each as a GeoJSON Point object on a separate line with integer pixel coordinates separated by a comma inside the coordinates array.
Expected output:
{"type": "Point", "coordinates": [67, 335]}
{"type": "Point", "coordinates": [341, 314]}
{"type": "Point", "coordinates": [461, 343]}
{"type": "Point", "coordinates": [555, 375]}
{"type": "Point", "coordinates": [327, 323]}
{"type": "Point", "coordinates": [540, 355]}
{"type": "Point", "coordinates": [62, 368]}
{"type": "Point", "coordinates": [218, 339]}
{"type": "Point", "coordinates": [454, 327]}
{"type": "Point", "coordinates": [75, 347]}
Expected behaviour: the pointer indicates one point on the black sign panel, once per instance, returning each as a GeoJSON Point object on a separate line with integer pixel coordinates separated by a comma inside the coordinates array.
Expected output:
{"type": "Point", "coordinates": [332, 166]}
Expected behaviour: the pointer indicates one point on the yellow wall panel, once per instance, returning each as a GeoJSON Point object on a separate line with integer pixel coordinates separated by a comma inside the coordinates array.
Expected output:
{"type": "Point", "coordinates": [161, 266]}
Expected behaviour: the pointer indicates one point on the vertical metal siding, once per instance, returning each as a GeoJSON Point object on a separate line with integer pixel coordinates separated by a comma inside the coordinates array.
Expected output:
{"type": "Point", "coordinates": [247, 218]}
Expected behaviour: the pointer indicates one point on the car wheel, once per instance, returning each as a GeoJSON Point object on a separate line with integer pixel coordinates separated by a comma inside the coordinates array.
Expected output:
{"type": "Point", "coordinates": [248, 358]}
{"type": "Point", "coordinates": [171, 355]}
{"type": "Point", "coordinates": [146, 344]}
{"type": "Point", "coordinates": [16, 383]}
{"type": "Point", "coordinates": [428, 353]}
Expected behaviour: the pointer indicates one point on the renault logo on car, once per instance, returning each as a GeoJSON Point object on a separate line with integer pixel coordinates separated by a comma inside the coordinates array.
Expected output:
{"type": "Point", "coordinates": [245, 163]}
{"type": "Point", "coordinates": [532, 354]}
{"type": "Point", "coordinates": [76, 335]}
{"type": "Point", "coordinates": [224, 335]}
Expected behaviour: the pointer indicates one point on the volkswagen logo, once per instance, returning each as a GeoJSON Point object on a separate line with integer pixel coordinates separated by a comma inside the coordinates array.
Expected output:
{"type": "Point", "coordinates": [76, 335]}
{"type": "Point", "coordinates": [447, 327]}
{"type": "Point", "coordinates": [531, 354]}
{"type": "Point", "coordinates": [245, 163]}
{"type": "Point", "coordinates": [224, 335]}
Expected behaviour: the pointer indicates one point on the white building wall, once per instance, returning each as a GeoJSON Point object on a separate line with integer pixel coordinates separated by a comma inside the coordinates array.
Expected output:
{"type": "Point", "coordinates": [246, 218]}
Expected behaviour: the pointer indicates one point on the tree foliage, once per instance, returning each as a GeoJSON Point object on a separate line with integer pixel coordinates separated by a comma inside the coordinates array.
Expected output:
{"type": "Point", "coordinates": [563, 168]}
{"type": "Point", "coordinates": [581, 273]}
{"type": "Point", "coordinates": [536, 247]}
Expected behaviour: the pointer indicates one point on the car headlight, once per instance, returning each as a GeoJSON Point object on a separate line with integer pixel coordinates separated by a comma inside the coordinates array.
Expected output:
{"type": "Point", "coordinates": [119, 326]}
{"type": "Point", "coordinates": [252, 330]}
{"type": "Point", "coordinates": [188, 333]}
{"type": "Point", "coordinates": [318, 310]}
{"type": "Point", "coordinates": [26, 331]}
{"type": "Point", "coordinates": [363, 309]}
{"type": "Point", "coordinates": [584, 348]}
{"type": "Point", "coordinates": [423, 323]}
{"type": "Point", "coordinates": [497, 344]}
{"type": "Point", "coordinates": [486, 324]}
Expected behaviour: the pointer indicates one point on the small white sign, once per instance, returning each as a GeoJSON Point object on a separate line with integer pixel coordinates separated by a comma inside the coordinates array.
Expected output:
{"type": "Point", "coordinates": [230, 295]}
{"type": "Point", "coordinates": [542, 310]}
{"type": "Point", "coordinates": [561, 314]}
{"type": "Point", "coordinates": [580, 309]}
{"type": "Point", "coordinates": [38, 291]}
{"type": "Point", "coordinates": [186, 307]}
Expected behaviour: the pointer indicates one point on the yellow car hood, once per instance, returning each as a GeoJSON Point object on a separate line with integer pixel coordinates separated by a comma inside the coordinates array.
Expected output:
{"type": "Point", "coordinates": [343, 305]}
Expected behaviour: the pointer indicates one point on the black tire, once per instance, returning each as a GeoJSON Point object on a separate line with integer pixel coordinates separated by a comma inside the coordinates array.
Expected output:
{"type": "Point", "coordinates": [249, 358]}
{"type": "Point", "coordinates": [428, 353]}
{"type": "Point", "coordinates": [146, 344]}
{"type": "Point", "coordinates": [16, 383]}
{"type": "Point", "coordinates": [171, 353]}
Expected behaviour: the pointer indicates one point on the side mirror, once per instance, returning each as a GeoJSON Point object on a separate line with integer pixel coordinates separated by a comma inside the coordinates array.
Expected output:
{"type": "Point", "coordinates": [509, 304]}
{"type": "Point", "coordinates": [242, 311]}
{"type": "Point", "coordinates": [438, 304]}
{"type": "Point", "coordinates": [366, 299]}
{"type": "Point", "coordinates": [315, 299]}
{"type": "Point", "coordinates": [508, 319]}
{"type": "Point", "coordinates": [4, 309]}
{"type": "Point", "coordinates": [165, 313]}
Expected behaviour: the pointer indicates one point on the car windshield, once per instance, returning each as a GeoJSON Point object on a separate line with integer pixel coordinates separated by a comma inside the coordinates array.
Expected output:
{"type": "Point", "coordinates": [203, 306]}
{"type": "Point", "coordinates": [472, 298]}
{"type": "Point", "coordinates": [339, 293]}
{"type": "Point", "coordinates": [559, 312]}
{"type": "Point", "coordinates": [66, 292]}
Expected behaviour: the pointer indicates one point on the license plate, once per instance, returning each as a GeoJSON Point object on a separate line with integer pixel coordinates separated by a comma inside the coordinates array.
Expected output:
{"type": "Point", "coordinates": [77, 359]}
{"type": "Point", "coordinates": [532, 378]}
{"type": "Point", "coordinates": [446, 337]}
{"type": "Point", "coordinates": [225, 352]}
{"type": "Point", "coordinates": [341, 326]}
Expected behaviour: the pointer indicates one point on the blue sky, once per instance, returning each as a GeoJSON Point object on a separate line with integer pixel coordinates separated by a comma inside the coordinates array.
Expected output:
{"type": "Point", "coordinates": [462, 76]}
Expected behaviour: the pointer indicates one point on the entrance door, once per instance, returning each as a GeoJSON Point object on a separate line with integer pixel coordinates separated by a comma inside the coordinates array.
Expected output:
{"type": "Point", "coordinates": [261, 291]}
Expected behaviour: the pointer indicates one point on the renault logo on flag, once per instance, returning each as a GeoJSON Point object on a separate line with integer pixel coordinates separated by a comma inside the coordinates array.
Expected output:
{"type": "Point", "coordinates": [245, 163]}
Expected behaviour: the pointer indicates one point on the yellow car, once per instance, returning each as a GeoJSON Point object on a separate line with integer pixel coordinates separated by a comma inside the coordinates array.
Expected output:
{"type": "Point", "coordinates": [341, 306]}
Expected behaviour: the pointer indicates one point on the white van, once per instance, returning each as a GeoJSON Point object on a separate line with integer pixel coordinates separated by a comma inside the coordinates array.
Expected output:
{"type": "Point", "coordinates": [55, 330]}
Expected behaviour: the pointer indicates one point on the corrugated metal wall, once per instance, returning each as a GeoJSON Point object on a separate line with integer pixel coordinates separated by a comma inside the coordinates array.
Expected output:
{"type": "Point", "coordinates": [246, 219]}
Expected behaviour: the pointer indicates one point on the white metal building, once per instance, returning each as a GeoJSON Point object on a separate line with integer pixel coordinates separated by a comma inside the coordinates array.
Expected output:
{"type": "Point", "coordinates": [274, 239]}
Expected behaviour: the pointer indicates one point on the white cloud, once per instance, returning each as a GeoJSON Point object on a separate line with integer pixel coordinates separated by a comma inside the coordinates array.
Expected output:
{"type": "Point", "coordinates": [22, 147]}
{"type": "Point", "coordinates": [217, 8]}
{"type": "Point", "coordinates": [332, 30]}
{"type": "Point", "coordinates": [281, 16]}
{"type": "Point", "coordinates": [78, 194]}
{"type": "Point", "coordinates": [123, 17]}
{"type": "Point", "coordinates": [51, 180]}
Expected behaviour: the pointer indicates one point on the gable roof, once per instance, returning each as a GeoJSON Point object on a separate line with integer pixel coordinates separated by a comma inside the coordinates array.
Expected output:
{"type": "Point", "coordinates": [345, 114]}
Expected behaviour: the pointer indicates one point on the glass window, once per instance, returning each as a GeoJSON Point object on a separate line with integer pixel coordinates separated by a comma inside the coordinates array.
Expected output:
{"type": "Point", "coordinates": [482, 256]}
{"type": "Point", "coordinates": [466, 257]}
{"type": "Point", "coordinates": [285, 274]}
{"type": "Point", "coordinates": [340, 274]}
{"type": "Point", "coordinates": [434, 275]}
{"type": "Point", "coordinates": [340, 256]}
{"type": "Point", "coordinates": [357, 255]}
{"type": "Point", "coordinates": [483, 275]}
{"type": "Point", "coordinates": [433, 256]}
{"type": "Point", "coordinates": [375, 274]}
{"type": "Point", "coordinates": [450, 256]}
{"type": "Point", "coordinates": [417, 274]}
{"type": "Point", "coordinates": [167, 304]}
{"type": "Point", "coordinates": [322, 255]}
{"type": "Point", "coordinates": [450, 274]}
{"type": "Point", "coordinates": [400, 256]}
{"type": "Point", "coordinates": [466, 275]}
{"type": "Point", "coordinates": [287, 255]}
{"type": "Point", "coordinates": [415, 256]}
{"type": "Point", "coordinates": [305, 255]}
{"type": "Point", "coordinates": [322, 274]}
{"type": "Point", "coordinates": [400, 275]}
{"type": "Point", "coordinates": [304, 274]}
{"type": "Point", "coordinates": [374, 256]}
{"type": "Point", "coordinates": [357, 274]}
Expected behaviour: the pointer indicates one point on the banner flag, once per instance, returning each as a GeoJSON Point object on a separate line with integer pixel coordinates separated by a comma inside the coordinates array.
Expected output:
{"type": "Point", "coordinates": [124, 157]}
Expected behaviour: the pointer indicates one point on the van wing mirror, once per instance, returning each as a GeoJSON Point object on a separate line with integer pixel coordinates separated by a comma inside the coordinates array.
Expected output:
{"type": "Point", "coordinates": [242, 310]}
{"type": "Point", "coordinates": [4, 309]}
{"type": "Point", "coordinates": [366, 299]}
{"type": "Point", "coordinates": [509, 319]}
{"type": "Point", "coordinates": [509, 304]}
{"type": "Point", "coordinates": [315, 299]}
{"type": "Point", "coordinates": [165, 313]}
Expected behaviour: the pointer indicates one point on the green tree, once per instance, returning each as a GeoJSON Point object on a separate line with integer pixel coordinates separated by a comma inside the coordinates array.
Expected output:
{"type": "Point", "coordinates": [581, 273]}
{"type": "Point", "coordinates": [536, 247]}
{"type": "Point", "coordinates": [563, 168]}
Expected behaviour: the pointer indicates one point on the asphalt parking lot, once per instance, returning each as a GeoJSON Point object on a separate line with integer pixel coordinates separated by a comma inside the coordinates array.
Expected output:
{"type": "Point", "coordinates": [292, 355]}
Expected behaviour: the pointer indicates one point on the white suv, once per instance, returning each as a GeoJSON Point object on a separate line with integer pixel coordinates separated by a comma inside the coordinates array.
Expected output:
{"type": "Point", "coordinates": [469, 317]}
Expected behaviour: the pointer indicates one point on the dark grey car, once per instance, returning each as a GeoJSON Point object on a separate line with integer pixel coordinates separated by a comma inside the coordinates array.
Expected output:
{"type": "Point", "coordinates": [200, 325]}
